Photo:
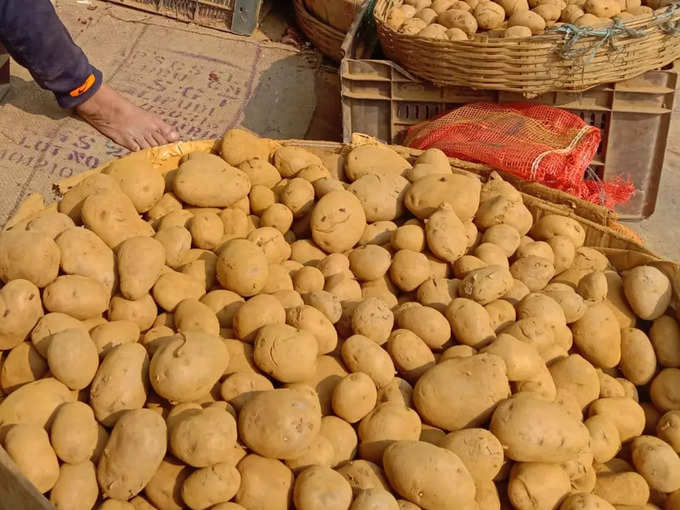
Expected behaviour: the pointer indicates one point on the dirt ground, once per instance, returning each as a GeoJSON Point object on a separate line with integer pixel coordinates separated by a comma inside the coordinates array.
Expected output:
{"type": "Point", "coordinates": [203, 82]}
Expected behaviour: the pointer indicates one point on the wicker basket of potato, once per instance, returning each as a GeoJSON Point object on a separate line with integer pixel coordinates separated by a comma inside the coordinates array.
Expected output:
{"type": "Point", "coordinates": [417, 347]}
{"type": "Point", "coordinates": [484, 44]}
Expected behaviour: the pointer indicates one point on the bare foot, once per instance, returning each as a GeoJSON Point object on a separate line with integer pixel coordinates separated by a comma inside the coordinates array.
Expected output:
{"type": "Point", "coordinates": [124, 123]}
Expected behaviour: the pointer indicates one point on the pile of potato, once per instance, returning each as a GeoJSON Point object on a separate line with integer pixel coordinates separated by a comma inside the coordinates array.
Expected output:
{"type": "Point", "coordinates": [460, 20]}
{"type": "Point", "coordinates": [270, 329]}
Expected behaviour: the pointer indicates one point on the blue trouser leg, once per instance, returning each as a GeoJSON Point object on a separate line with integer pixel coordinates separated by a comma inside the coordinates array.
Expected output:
{"type": "Point", "coordinates": [37, 39]}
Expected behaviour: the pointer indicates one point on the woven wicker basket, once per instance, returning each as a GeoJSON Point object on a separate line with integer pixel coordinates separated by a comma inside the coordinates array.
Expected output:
{"type": "Point", "coordinates": [534, 65]}
{"type": "Point", "coordinates": [325, 37]}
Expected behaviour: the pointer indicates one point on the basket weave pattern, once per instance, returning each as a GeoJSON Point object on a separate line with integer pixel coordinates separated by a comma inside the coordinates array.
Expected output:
{"type": "Point", "coordinates": [325, 37]}
{"type": "Point", "coordinates": [533, 66]}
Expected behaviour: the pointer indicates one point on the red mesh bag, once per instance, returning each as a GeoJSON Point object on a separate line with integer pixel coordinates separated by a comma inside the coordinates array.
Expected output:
{"type": "Point", "coordinates": [533, 141]}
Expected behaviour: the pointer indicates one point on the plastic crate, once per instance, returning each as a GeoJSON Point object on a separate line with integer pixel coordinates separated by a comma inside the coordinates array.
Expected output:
{"type": "Point", "coordinates": [4, 72]}
{"type": "Point", "coordinates": [381, 99]}
{"type": "Point", "coordinates": [236, 16]}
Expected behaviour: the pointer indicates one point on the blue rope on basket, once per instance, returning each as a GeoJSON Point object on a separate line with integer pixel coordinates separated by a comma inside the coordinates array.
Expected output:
{"type": "Point", "coordinates": [669, 27]}
{"type": "Point", "coordinates": [574, 33]}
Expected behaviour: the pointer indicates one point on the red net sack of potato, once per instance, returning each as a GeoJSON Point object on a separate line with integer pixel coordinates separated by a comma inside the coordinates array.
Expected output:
{"type": "Point", "coordinates": [533, 141]}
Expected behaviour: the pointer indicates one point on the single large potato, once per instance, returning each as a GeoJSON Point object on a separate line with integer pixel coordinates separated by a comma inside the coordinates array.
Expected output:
{"type": "Point", "coordinates": [80, 297]}
{"type": "Point", "coordinates": [187, 365]}
{"type": "Point", "coordinates": [22, 365]}
{"type": "Point", "coordinates": [76, 487]}
{"type": "Point", "coordinates": [321, 487]}
{"type": "Point", "coordinates": [142, 183]}
{"type": "Point", "coordinates": [285, 353]}
{"type": "Point", "coordinates": [598, 336]}
{"type": "Point", "coordinates": [210, 182]}
{"type": "Point", "coordinates": [266, 484]}
{"type": "Point", "coordinates": [164, 490]}
{"type": "Point", "coordinates": [480, 381]}
{"type": "Point", "coordinates": [84, 253]}
{"type": "Point", "coordinates": [279, 424]}
{"type": "Point", "coordinates": [120, 383]}
{"type": "Point", "coordinates": [374, 160]}
{"type": "Point", "coordinates": [72, 357]}
{"type": "Point", "coordinates": [28, 256]}
{"type": "Point", "coordinates": [337, 221]}
{"type": "Point", "coordinates": [140, 261]}
{"type": "Point", "coordinates": [132, 454]}
{"type": "Point", "coordinates": [113, 217]}
{"type": "Point", "coordinates": [535, 430]}
{"type": "Point", "coordinates": [444, 482]}
{"type": "Point", "coordinates": [387, 423]}
{"type": "Point", "coordinates": [34, 403]}
{"type": "Point", "coordinates": [21, 310]}
{"type": "Point", "coordinates": [478, 449]}
{"type": "Point", "coordinates": [74, 433]}
{"type": "Point", "coordinates": [648, 291]}
{"type": "Point", "coordinates": [426, 195]}
{"type": "Point", "coordinates": [238, 146]}
{"type": "Point", "coordinates": [242, 267]}
{"type": "Point", "coordinates": [29, 447]}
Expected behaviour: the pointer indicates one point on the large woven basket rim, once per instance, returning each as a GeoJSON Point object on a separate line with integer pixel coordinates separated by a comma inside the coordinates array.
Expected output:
{"type": "Point", "coordinates": [642, 22]}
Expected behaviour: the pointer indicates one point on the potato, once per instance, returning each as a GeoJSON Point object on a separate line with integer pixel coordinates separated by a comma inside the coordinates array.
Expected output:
{"type": "Point", "coordinates": [408, 237]}
{"type": "Point", "coordinates": [664, 389]}
{"type": "Point", "coordinates": [139, 261]}
{"type": "Point", "coordinates": [535, 430]}
{"type": "Point", "coordinates": [337, 221]}
{"type": "Point", "coordinates": [585, 501]}
{"type": "Point", "coordinates": [207, 230]}
{"type": "Point", "coordinates": [242, 267]}
{"type": "Point", "coordinates": [572, 304]}
{"type": "Point", "coordinates": [627, 415]}
{"type": "Point", "coordinates": [361, 354]}
{"type": "Point", "coordinates": [29, 447]}
{"type": "Point", "coordinates": [363, 476]}
{"type": "Point", "coordinates": [486, 284]}
{"type": "Point", "coordinates": [460, 19]}
{"type": "Point", "coordinates": [354, 397]}
{"type": "Point", "coordinates": [22, 365]}
{"type": "Point", "coordinates": [504, 236]}
{"type": "Point", "coordinates": [409, 269]}
{"type": "Point", "coordinates": [21, 310]}
{"type": "Point", "coordinates": [489, 15]}
{"type": "Point", "coordinates": [49, 223]}
{"type": "Point", "coordinates": [577, 376]}
{"type": "Point", "coordinates": [378, 232]}
{"type": "Point", "coordinates": [167, 204]}
{"type": "Point", "coordinates": [388, 422]}
{"type": "Point", "coordinates": [113, 217]}
{"type": "Point", "coordinates": [470, 322]}
{"type": "Point", "coordinates": [202, 437]}
{"type": "Point", "coordinates": [373, 319]}
{"type": "Point", "coordinates": [369, 262]}
{"type": "Point", "coordinates": [172, 288]}
{"type": "Point", "coordinates": [78, 296]}
{"type": "Point", "coordinates": [648, 291]}
{"type": "Point", "coordinates": [411, 355]}
{"type": "Point", "coordinates": [258, 311]}
{"type": "Point", "coordinates": [120, 383]}
{"type": "Point", "coordinates": [28, 256]}
{"type": "Point", "coordinates": [261, 197]}
{"type": "Point", "coordinates": [622, 488]}
{"type": "Point", "coordinates": [298, 196]}
{"type": "Point", "coordinates": [142, 183]}
{"type": "Point", "coordinates": [522, 360]}
{"type": "Point", "coordinates": [598, 337]}
{"type": "Point", "coordinates": [428, 324]}
{"type": "Point", "coordinates": [307, 279]}
{"type": "Point", "coordinates": [534, 272]}
{"type": "Point", "coordinates": [133, 453]}
{"type": "Point", "coordinates": [381, 196]}
{"type": "Point", "coordinates": [437, 293]}
{"type": "Point", "coordinates": [342, 437]}
{"type": "Point", "coordinates": [374, 499]}
{"type": "Point", "coordinates": [638, 359]}
{"type": "Point", "coordinates": [72, 202]}
{"type": "Point", "coordinates": [319, 453]}
{"type": "Point", "coordinates": [478, 449]}
{"type": "Point", "coordinates": [426, 195]}
{"type": "Point", "coordinates": [445, 482]}
{"type": "Point", "coordinates": [326, 303]}
{"type": "Point", "coordinates": [604, 438]}
{"type": "Point", "coordinates": [397, 390]}
{"type": "Point", "coordinates": [321, 487]}
{"type": "Point", "coordinates": [279, 423]}
{"type": "Point", "coordinates": [285, 353]}
{"type": "Point", "coordinates": [74, 433]}
{"type": "Point", "coordinates": [552, 225]}
{"type": "Point", "coordinates": [345, 288]}
{"type": "Point", "coordinates": [34, 403]}
{"type": "Point", "coordinates": [176, 242]}
{"type": "Point", "coordinates": [165, 488]}
{"type": "Point", "coordinates": [187, 365]}
{"type": "Point", "coordinates": [665, 337]}
{"type": "Point", "coordinates": [265, 484]}
{"type": "Point", "coordinates": [72, 357]}
{"type": "Point", "coordinates": [593, 287]}
{"type": "Point", "coordinates": [238, 387]}
{"type": "Point", "coordinates": [227, 184]}
{"type": "Point", "coordinates": [480, 381]}
{"type": "Point", "coordinates": [504, 210]}
{"type": "Point", "coordinates": [374, 160]}
{"type": "Point", "coordinates": [224, 304]}
{"type": "Point", "coordinates": [142, 311]}
{"type": "Point", "coordinates": [84, 253]}
{"type": "Point", "coordinates": [537, 485]}
{"type": "Point", "coordinates": [76, 488]}
{"type": "Point", "coordinates": [116, 504]}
